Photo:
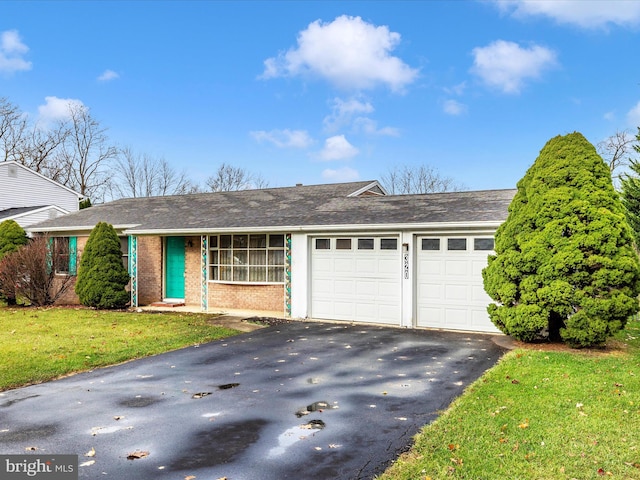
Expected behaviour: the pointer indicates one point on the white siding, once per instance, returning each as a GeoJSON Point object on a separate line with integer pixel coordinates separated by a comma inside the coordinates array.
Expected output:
{"type": "Point", "coordinates": [21, 187]}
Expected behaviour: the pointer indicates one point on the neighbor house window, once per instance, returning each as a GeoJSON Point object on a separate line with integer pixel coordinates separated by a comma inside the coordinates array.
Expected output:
{"type": "Point", "coordinates": [254, 258]}
{"type": "Point", "coordinates": [64, 255]}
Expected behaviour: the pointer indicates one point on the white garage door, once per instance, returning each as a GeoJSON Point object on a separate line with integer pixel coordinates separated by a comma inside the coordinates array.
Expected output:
{"type": "Point", "coordinates": [356, 279]}
{"type": "Point", "coordinates": [449, 291]}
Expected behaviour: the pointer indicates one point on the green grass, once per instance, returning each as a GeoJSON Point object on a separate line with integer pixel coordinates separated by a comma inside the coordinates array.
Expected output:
{"type": "Point", "coordinates": [40, 344]}
{"type": "Point", "coordinates": [539, 414]}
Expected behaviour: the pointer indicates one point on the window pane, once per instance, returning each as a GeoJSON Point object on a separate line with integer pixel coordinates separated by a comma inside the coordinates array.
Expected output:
{"type": "Point", "coordinates": [240, 274]}
{"type": "Point", "coordinates": [257, 257]}
{"type": "Point", "coordinates": [213, 273]}
{"type": "Point", "coordinates": [240, 257]}
{"type": "Point", "coordinates": [213, 256]}
{"type": "Point", "coordinates": [225, 241]}
{"type": "Point", "coordinates": [240, 241]}
{"type": "Point", "coordinates": [213, 241]}
{"type": "Point", "coordinates": [276, 241]}
{"type": "Point", "coordinates": [257, 274]}
{"type": "Point", "coordinates": [343, 244]}
{"type": "Point", "coordinates": [323, 244]}
{"type": "Point", "coordinates": [388, 244]}
{"type": "Point", "coordinates": [365, 244]}
{"type": "Point", "coordinates": [456, 244]}
{"type": "Point", "coordinates": [61, 254]}
{"type": "Point", "coordinates": [483, 243]}
{"type": "Point", "coordinates": [257, 241]}
{"type": "Point", "coordinates": [430, 244]}
{"type": "Point", "coordinates": [276, 257]}
{"type": "Point", "coordinates": [276, 274]}
{"type": "Point", "coordinates": [225, 257]}
{"type": "Point", "coordinates": [225, 274]}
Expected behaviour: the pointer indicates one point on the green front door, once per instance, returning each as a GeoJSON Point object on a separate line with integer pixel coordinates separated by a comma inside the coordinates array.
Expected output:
{"type": "Point", "coordinates": [174, 268]}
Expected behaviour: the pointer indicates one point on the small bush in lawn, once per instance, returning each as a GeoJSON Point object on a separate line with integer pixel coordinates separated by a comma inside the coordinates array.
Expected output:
{"type": "Point", "coordinates": [101, 277]}
{"type": "Point", "coordinates": [12, 237]}
{"type": "Point", "coordinates": [565, 267]}
{"type": "Point", "coordinates": [26, 274]}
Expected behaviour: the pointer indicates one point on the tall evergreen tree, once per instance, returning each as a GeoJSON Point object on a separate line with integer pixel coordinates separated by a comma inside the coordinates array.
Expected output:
{"type": "Point", "coordinates": [12, 237]}
{"type": "Point", "coordinates": [101, 277]}
{"type": "Point", "coordinates": [631, 193]}
{"type": "Point", "coordinates": [564, 266]}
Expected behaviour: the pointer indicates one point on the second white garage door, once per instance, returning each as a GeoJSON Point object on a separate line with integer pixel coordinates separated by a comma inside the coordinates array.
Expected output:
{"type": "Point", "coordinates": [449, 291]}
{"type": "Point", "coordinates": [356, 279]}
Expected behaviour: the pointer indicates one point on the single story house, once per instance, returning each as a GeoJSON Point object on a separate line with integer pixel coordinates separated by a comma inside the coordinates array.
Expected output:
{"type": "Point", "coordinates": [345, 251]}
{"type": "Point", "coordinates": [27, 197]}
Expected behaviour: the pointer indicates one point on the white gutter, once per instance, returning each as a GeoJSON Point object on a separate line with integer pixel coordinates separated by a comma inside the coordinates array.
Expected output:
{"type": "Point", "coordinates": [76, 228]}
{"type": "Point", "coordinates": [322, 228]}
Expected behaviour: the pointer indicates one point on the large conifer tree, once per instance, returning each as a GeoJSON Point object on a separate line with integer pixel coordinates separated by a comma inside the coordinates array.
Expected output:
{"type": "Point", "coordinates": [101, 277]}
{"type": "Point", "coordinates": [564, 267]}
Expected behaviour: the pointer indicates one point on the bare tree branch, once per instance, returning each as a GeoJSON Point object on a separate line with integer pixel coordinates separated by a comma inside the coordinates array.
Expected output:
{"type": "Point", "coordinates": [403, 180]}
{"type": "Point", "coordinates": [229, 178]}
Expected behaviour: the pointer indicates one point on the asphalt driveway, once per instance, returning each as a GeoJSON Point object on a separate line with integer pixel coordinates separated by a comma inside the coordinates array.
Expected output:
{"type": "Point", "coordinates": [301, 400]}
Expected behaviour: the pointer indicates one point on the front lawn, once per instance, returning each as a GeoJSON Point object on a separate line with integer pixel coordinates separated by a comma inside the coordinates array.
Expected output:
{"type": "Point", "coordinates": [539, 414]}
{"type": "Point", "coordinates": [40, 344]}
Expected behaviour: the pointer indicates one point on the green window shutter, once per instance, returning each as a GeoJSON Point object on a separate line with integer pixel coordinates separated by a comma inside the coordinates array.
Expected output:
{"type": "Point", "coordinates": [50, 256]}
{"type": "Point", "coordinates": [73, 253]}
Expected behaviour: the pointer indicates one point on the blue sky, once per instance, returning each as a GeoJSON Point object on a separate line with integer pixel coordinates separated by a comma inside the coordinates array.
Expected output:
{"type": "Point", "coordinates": [318, 92]}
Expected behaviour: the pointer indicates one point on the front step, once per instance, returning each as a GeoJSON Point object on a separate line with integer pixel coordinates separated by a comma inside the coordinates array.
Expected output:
{"type": "Point", "coordinates": [168, 304]}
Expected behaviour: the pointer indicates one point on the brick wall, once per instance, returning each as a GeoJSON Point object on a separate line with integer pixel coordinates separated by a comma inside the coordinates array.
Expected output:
{"type": "Point", "coordinates": [192, 282]}
{"type": "Point", "coordinates": [246, 297]}
{"type": "Point", "coordinates": [149, 270]}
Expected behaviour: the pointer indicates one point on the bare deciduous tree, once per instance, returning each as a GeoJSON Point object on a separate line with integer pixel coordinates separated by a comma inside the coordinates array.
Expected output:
{"type": "Point", "coordinates": [403, 180]}
{"type": "Point", "coordinates": [35, 147]}
{"type": "Point", "coordinates": [138, 175]}
{"type": "Point", "coordinates": [229, 178]}
{"type": "Point", "coordinates": [616, 151]}
{"type": "Point", "coordinates": [87, 154]}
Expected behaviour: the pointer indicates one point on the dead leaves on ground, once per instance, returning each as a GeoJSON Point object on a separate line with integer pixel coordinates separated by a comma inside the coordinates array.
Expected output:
{"type": "Point", "coordinates": [137, 454]}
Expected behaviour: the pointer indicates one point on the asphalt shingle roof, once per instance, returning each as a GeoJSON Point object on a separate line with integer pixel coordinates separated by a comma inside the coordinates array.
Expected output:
{"type": "Point", "coordinates": [303, 206]}
{"type": "Point", "coordinates": [10, 212]}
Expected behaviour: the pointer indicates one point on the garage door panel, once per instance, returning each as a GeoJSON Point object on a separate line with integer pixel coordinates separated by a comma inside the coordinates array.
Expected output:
{"type": "Point", "coordinates": [457, 267]}
{"type": "Point", "coordinates": [456, 293]}
{"type": "Point", "coordinates": [365, 284]}
{"type": "Point", "coordinates": [461, 301]}
{"type": "Point", "coordinates": [344, 265]}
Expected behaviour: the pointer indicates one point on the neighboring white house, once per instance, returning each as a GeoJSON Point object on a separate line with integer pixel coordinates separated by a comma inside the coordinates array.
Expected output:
{"type": "Point", "coordinates": [29, 197]}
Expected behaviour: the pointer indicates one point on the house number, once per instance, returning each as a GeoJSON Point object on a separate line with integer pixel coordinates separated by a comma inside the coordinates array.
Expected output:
{"type": "Point", "coordinates": [406, 265]}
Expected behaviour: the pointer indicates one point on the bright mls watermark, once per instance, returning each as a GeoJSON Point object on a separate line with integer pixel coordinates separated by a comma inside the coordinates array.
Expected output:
{"type": "Point", "coordinates": [49, 467]}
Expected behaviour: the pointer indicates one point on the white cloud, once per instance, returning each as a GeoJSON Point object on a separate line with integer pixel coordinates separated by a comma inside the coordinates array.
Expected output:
{"type": "Point", "coordinates": [284, 138]}
{"type": "Point", "coordinates": [343, 111]}
{"type": "Point", "coordinates": [344, 174]}
{"type": "Point", "coordinates": [337, 148]}
{"type": "Point", "coordinates": [633, 116]}
{"type": "Point", "coordinates": [584, 14]}
{"type": "Point", "coordinates": [609, 116]}
{"type": "Point", "coordinates": [370, 127]}
{"type": "Point", "coordinates": [11, 52]}
{"type": "Point", "coordinates": [507, 65]}
{"type": "Point", "coordinates": [348, 52]}
{"type": "Point", "coordinates": [456, 89]}
{"type": "Point", "coordinates": [453, 107]}
{"type": "Point", "coordinates": [56, 109]}
{"type": "Point", "coordinates": [108, 75]}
